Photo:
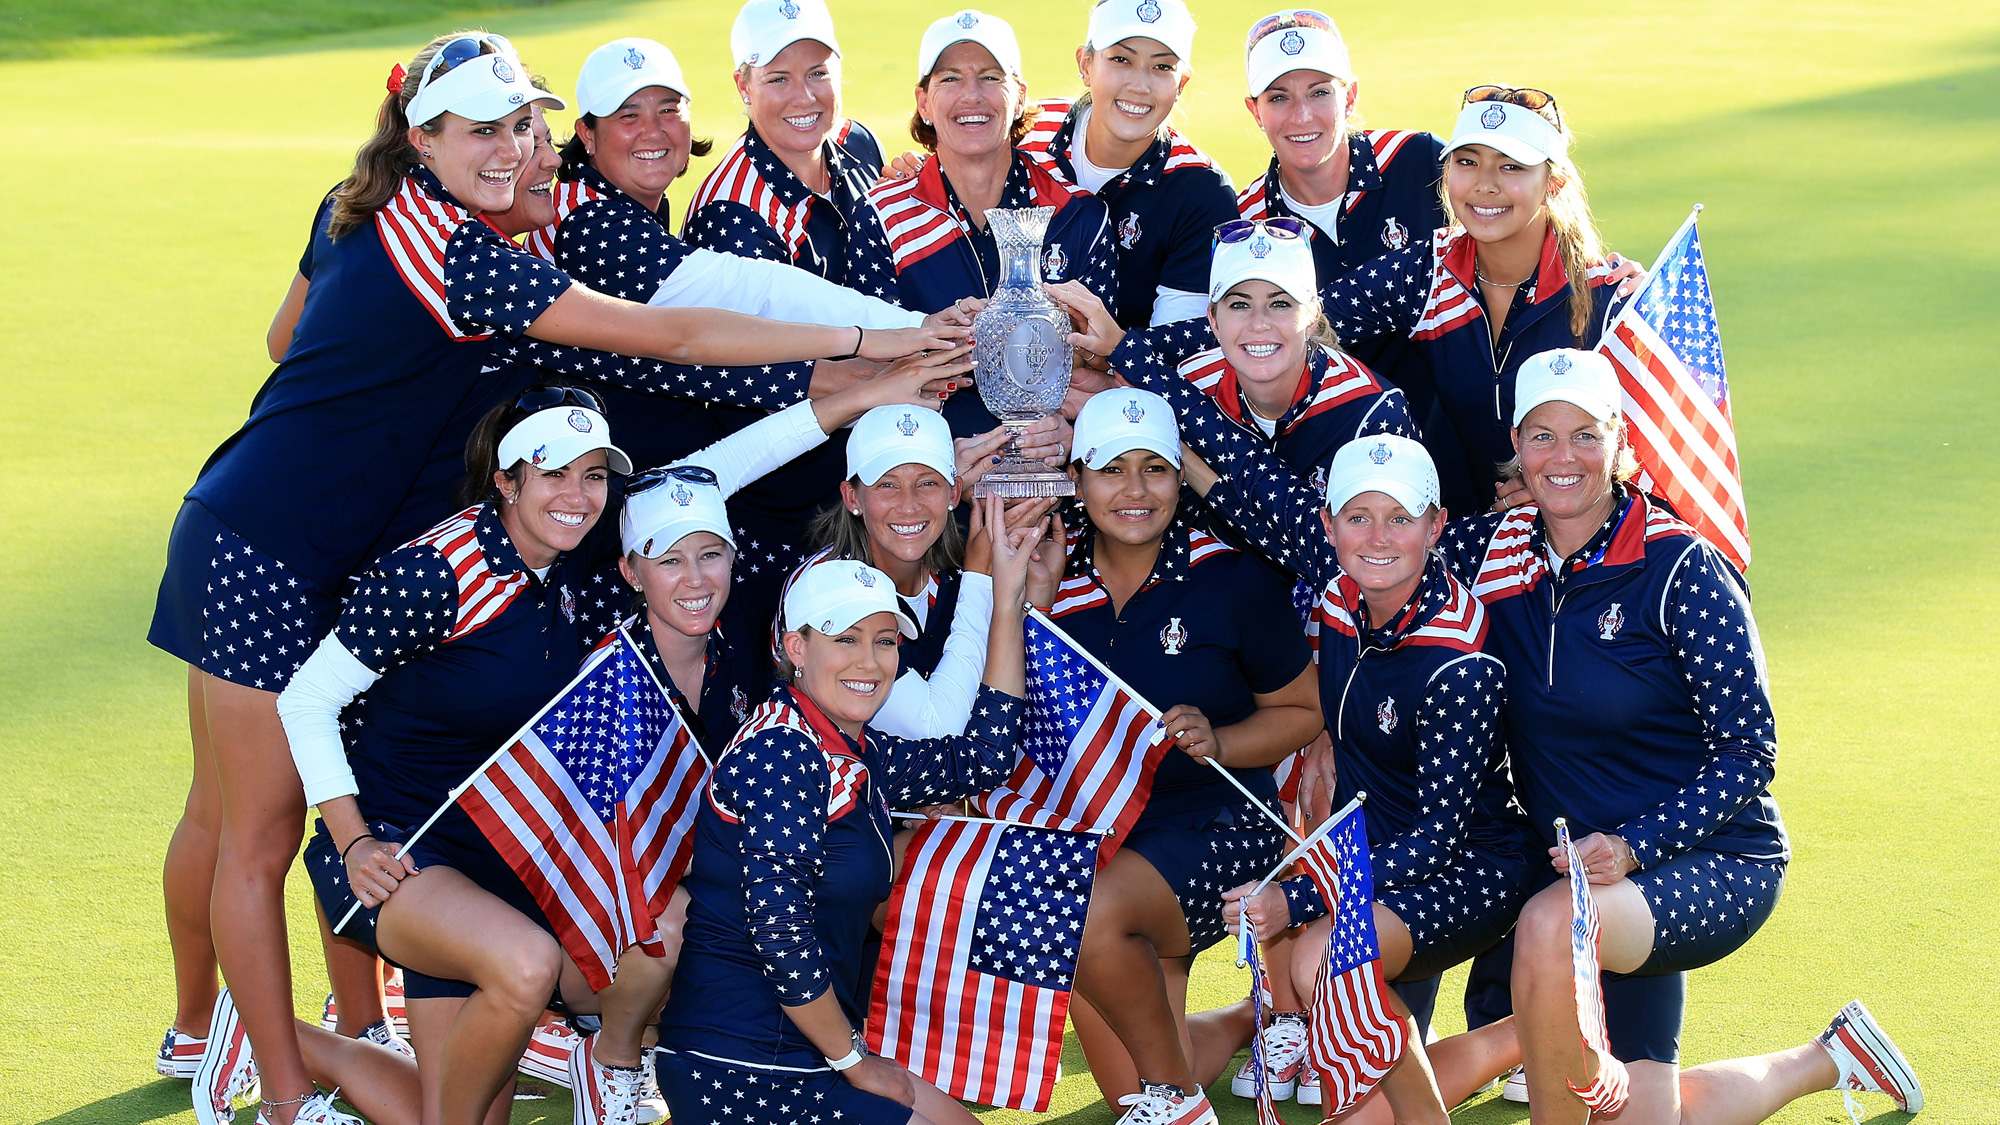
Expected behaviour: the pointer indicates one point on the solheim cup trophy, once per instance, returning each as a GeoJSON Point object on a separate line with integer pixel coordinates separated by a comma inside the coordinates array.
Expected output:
{"type": "Point", "coordinates": [1024, 355]}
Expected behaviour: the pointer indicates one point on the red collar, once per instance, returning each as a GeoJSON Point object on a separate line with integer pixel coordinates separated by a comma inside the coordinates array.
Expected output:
{"type": "Point", "coordinates": [1045, 188]}
{"type": "Point", "coordinates": [1229, 396]}
{"type": "Point", "coordinates": [1462, 259]}
{"type": "Point", "coordinates": [831, 738]}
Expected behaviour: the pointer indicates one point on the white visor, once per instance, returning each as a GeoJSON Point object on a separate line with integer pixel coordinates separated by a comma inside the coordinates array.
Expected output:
{"type": "Point", "coordinates": [1284, 262]}
{"type": "Point", "coordinates": [833, 595]}
{"type": "Point", "coordinates": [483, 88]}
{"type": "Point", "coordinates": [1517, 133]}
{"type": "Point", "coordinates": [1115, 422]}
{"type": "Point", "coordinates": [552, 438]}
{"type": "Point", "coordinates": [669, 511]}
{"type": "Point", "coordinates": [888, 436]}
{"type": "Point", "coordinates": [1397, 467]}
{"type": "Point", "coordinates": [1280, 52]}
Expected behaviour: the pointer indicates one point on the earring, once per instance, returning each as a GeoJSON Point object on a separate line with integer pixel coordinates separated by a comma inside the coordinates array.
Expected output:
{"type": "Point", "coordinates": [854, 511]}
{"type": "Point", "coordinates": [797, 672]}
{"type": "Point", "coordinates": [427, 154]}
{"type": "Point", "coordinates": [927, 121]}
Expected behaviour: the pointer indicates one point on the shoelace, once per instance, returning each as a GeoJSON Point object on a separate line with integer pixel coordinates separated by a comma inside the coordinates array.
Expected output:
{"type": "Point", "coordinates": [1148, 1108]}
{"type": "Point", "coordinates": [621, 1089]}
{"type": "Point", "coordinates": [1284, 1042]}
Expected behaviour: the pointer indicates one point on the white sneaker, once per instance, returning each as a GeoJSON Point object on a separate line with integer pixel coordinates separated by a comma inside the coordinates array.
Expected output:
{"type": "Point", "coordinates": [1868, 1059]}
{"type": "Point", "coordinates": [180, 1055]}
{"type": "Point", "coordinates": [600, 1094]}
{"type": "Point", "coordinates": [652, 1104]}
{"type": "Point", "coordinates": [1515, 1089]}
{"type": "Point", "coordinates": [1308, 1093]}
{"type": "Point", "coordinates": [1160, 1104]}
{"type": "Point", "coordinates": [1284, 1059]}
{"type": "Point", "coordinates": [383, 1034]}
{"type": "Point", "coordinates": [226, 1071]}
{"type": "Point", "coordinates": [546, 1058]}
{"type": "Point", "coordinates": [317, 1109]}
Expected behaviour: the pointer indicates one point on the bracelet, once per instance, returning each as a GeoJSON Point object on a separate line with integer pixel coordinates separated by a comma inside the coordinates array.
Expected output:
{"type": "Point", "coordinates": [852, 1058]}
{"type": "Point", "coordinates": [859, 333]}
{"type": "Point", "coordinates": [351, 843]}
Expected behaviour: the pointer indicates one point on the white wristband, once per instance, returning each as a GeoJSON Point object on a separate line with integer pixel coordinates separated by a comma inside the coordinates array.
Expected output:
{"type": "Point", "coordinates": [848, 1061]}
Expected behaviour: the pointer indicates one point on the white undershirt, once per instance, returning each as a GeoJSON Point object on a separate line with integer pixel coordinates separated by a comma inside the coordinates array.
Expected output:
{"type": "Point", "coordinates": [1268, 425]}
{"type": "Point", "coordinates": [1325, 216]}
{"type": "Point", "coordinates": [1089, 176]}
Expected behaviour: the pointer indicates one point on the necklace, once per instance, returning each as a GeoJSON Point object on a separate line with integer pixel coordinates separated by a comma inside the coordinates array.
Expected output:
{"type": "Point", "coordinates": [1484, 280]}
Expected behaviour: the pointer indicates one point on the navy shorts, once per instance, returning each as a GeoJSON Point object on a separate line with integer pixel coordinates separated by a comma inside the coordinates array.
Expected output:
{"type": "Point", "coordinates": [1460, 912]}
{"type": "Point", "coordinates": [700, 1091]}
{"type": "Point", "coordinates": [234, 611]}
{"type": "Point", "coordinates": [1204, 853]}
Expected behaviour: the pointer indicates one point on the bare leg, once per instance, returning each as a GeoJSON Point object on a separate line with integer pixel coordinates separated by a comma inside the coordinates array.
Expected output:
{"type": "Point", "coordinates": [626, 1005]}
{"type": "Point", "coordinates": [1110, 1065]}
{"type": "Point", "coordinates": [1214, 1036]}
{"type": "Point", "coordinates": [381, 1083]}
{"type": "Point", "coordinates": [1744, 1091]}
{"type": "Point", "coordinates": [355, 974]}
{"type": "Point", "coordinates": [188, 878]}
{"type": "Point", "coordinates": [1545, 999]}
{"type": "Point", "coordinates": [1465, 1062]}
{"type": "Point", "coordinates": [430, 1022]}
{"type": "Point", "coordinates": [1135, 922]}
{"type": "Point", "coordinates": [935, 1107]}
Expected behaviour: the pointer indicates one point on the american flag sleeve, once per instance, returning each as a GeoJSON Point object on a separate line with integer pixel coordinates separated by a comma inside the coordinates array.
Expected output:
{"type": "Point", "coordinates": [776, 784]}
{"type": "Point", "coordinates": [932, 771]}
{"type": "Point", "coordinates": [1722, 662]}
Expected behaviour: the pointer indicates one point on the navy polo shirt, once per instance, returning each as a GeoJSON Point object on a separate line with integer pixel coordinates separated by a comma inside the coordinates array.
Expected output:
{"type": "Point", "coordinates": [1638, 702]}
{"type": "Point", "coordinates": [917, 233]}
{"type": "Point", "coordinates": [1164, 208]}
{"type": "Point", "coordinates": [734, 679]}
{"type": "Point", "coordinates": [1212, 627]}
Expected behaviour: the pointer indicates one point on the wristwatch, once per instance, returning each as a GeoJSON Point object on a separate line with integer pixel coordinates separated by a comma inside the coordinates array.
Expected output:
{"type": "Point", "coordinates": [854, 1055]}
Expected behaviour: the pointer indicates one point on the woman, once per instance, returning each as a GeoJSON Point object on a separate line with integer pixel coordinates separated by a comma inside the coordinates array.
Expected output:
{"type": "Point", "coordinates": [1647, 724]}
{"type": "Point", "coordinates": [929, 230]}
{"type": "Point", "coordinates": [409, 300]}
{"type": "Point", "coordinates": [1208, 634]}
{"type": "Point", "coordinates": [792, 856]}
{"type": "Point", "coordinates": [1163, 194]}
{"type": "Point", "coordinates": [1413, 701]}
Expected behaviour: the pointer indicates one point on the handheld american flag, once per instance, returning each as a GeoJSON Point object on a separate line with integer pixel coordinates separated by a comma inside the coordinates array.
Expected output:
{"type": "Point", "coordinates": [977, 957]}
{"type": "Point", "coordinates": [1356, 1036]}
{"type": "Point", "coordinates": [592, 804]}
{"type": "Point", "coordinates": [1089, 744]}
{"type": "Point", "coordinates": [1260, 1063]}
{"type": "Point", "coordinates": [1607, 1092]}
{"type": "Point", "coordinates": [1668, 353]}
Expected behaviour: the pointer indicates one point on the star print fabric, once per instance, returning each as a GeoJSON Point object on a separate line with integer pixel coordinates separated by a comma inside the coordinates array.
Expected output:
{"type": "Point", "coordinates": [701, 1091]}
{"type": "Point", "coordinates": [492, 285]}
{"type": "Point", "coordinates": [1705, 906]}
{"type": "Point", "coordinates": [259, 621]}
{"type": "Point", "coordinates": [404, 605]}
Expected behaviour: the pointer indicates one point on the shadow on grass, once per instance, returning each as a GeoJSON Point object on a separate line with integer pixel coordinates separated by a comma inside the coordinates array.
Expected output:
{"type": "Point", "coordinates": [160, 1098]}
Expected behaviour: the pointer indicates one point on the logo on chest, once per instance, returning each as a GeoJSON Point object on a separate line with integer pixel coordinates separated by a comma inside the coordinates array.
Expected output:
{"type": "Point", "coordinates": [1174, 637]}
{"type": "Point", "coordinates": [739, 704]}
{"type": "Point", "coordinates": [1394, 234]}
{"type": "Point", "coordinates": [1609, 622]}
{"type": "Point", "coordinates": [568, 604]}
{"type": "Point", "coordinates": [1054, 262]}
{"type": "Point", "coordinates": [1385, 714]}
{"type": "Point", "coordinates": [1128, 230]}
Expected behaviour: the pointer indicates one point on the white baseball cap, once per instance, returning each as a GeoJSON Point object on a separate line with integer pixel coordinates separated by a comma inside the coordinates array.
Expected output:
{"type": "Point", "coordinates": [623, 67]}
{"type": "Point", "coordinates": [1395, 466]}
{"type": "Point", "coordinates": [1299, 39]}
{"type": "Point", "coordinates": [1265, 255]}
{"type": "Point", "coordinates": [833, 595]}
{"type": "Point", "coordinates": [477, 77]}
{"type": "Point", "coordinates": [765, 27]}
{"type": "Point", "coordinates": [970, 26]}
{"type": "Point", "coordinates": [888, 436]}
{"type": "Point", "coordinates": [552, 438]}
{"type": "Point", "coordinates": [663, 509]}
{"type": "Point", "coordinates": [1515, 132]}
{"type": "Point", "coordinates": [1583, 379]}
{"type": "Point", "coordinates": [1117, 421]}
{"type": "Point", "coordinates": [1169, 21]}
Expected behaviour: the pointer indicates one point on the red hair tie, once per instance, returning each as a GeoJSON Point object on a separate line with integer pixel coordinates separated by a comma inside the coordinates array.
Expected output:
{"type": "Point", "coordinates": [396, 76]}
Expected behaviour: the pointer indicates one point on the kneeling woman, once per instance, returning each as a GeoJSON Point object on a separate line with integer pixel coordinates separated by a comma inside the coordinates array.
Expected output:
{"type": "Point", "coordinates": [1209, 634]}
{"type": "Point", "coordinates": [1413, 702]}
{"type": "Point", "coordinates": [792, 855]}
{"type": "Point", "coordinates": [1651, 732]}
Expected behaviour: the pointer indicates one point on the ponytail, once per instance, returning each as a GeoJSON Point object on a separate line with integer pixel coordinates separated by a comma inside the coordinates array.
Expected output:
{"type": "Point", "coordinates": [385, 158]}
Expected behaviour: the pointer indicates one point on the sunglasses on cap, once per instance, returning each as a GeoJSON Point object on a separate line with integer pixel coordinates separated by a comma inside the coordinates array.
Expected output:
{"type": "Point", "coordinates": [544, 398]}
{"type": "Point", "coordinates": [463, 50]}
{"type": "Point", "coordinates": [1301, 17]}
{"type": "Point", "coordinates": [1238, 230]}
{"type": "Point", "coordinates": [653, 478]}
{"type": "Point", "coordinates": [1527, 97]}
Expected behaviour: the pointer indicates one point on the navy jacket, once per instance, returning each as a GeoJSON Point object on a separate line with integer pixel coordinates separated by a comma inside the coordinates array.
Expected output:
{"type": "Point", "coordinates": [735, 678]}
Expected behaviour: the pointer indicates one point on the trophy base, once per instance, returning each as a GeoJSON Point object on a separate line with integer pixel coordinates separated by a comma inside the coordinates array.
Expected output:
{"type": "Point", "coordinates": [1015, 479]}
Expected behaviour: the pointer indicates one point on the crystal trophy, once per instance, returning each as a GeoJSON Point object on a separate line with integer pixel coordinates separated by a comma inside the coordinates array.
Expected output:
{"type": "Point", "coordinates": [1024, 355]}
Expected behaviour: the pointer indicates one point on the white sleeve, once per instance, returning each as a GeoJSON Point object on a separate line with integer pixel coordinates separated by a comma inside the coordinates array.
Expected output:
{"type": "Point", "coordinates": [310, 708]}
{"type": "Point", "coordinates": [759, 287]}
{"type": "Point", "coordinates": [1170, 305]}
{"type": "Point", "coordinates": [942, 705]}
{"type": "Point", "coordinates": [760, 447]}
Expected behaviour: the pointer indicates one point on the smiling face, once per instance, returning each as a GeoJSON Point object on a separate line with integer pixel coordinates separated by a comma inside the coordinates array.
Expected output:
{"type": "Point", "coordinates": [903, 512]}
{"type": "Point", "coordinates": [479, 162]}
{"type": "Point", "coordinates": [971, 101]}
{"type": "Point", "coordinates": [686, 587]}
{"type": "Point", "coordinates": [1381, 545]}
{"type": "Point", "coordinates": [1304, 116]}
{"type": "Point", "coordinates": [643, 145]}
{"type": "Point", "coordinates": [1132, 498]}
{"type": "Point", "coordinates": [795, 100]}
{"type": "Point", "coordinates": [534, 202]}
{"type": "Point", "coordinates": [550, 510]}
{"type": "Point", "coordinates": [1568, 459]}
{"type": "Point", "coordinates": [1264, 332]}
{"type": "Point", "coordinates": [1495, 197]}
{"type": "Point", "coordinates": [1134, 84]}
{"type": "Point", "coordinates": [847, 674]}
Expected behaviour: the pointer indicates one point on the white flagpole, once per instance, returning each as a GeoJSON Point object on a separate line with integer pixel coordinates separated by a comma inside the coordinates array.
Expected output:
{"type": "Point", "coordinates": [1246, 931]}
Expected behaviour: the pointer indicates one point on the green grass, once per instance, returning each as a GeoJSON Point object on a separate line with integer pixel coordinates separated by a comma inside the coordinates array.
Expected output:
{"type": "Point", "coordinates": [1847, 154]}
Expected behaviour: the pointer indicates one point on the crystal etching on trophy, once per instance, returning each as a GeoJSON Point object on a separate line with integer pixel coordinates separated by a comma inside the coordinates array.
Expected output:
{"type": "Point", "coordinates": [1024, 355]}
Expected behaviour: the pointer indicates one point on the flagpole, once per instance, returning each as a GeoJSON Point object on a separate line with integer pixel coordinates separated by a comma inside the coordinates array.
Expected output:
{"type": "Point", "coordinates": [458, 791]}
{"type": "Point", "coordinates": [1246, 932]}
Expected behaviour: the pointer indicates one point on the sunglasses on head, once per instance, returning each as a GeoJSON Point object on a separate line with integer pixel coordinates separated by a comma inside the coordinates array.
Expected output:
{"type": "Point", "coordinates": [1239, 230]}
{"type": "Point", "coordinates": [544, 398]}
{"type": "Point", "coordinates": [653, 478]}
{"type": "Point", "coordinates": [460, 51]}
{"type": "Point", "coordinates": [1527, 97]}
{"type": "Point", "coordinates": [1302, 17]}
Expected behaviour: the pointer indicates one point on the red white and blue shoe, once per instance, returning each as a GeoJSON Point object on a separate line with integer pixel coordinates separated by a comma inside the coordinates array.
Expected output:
{"type": "Point", "coordinates": [180, 1055]}
{"type": "Point", "coordinates": [383, 1034]}
{"type": "Point", "coordinates": [316, 1109]}
{"type": "Point", "coordinates": [1284, 1059]}
{"type": "Point", "coordinates": [1868, 1059]}
{"type": "Point", "coordinates": [1515, 1088]}
{"type": "Point", "coordinates": [546, 1058]}
{"type": "Point", "coordinates": [600, 1094]}
{"type": "Point", "coordinates": [226, 1071]}
{"type": "Point", "coordinates": [1161, 1104]}
{"type": "Point", "coordinates": [394, 1008]}
{"type": "Point", "coordinates": [1308, 1093]}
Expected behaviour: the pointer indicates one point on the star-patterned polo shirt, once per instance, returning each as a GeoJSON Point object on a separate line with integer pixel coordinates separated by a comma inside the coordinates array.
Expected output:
{"type": "Point", "coordinates": [753, 206]}
{"type": "Point", "coordinates": [1638, 701]}
{"type": "Point", "coordinates": [791, 858]}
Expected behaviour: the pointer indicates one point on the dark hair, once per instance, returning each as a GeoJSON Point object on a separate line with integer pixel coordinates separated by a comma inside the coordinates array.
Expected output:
{"type": "Point", "coordinates": [575, 156]}
{"type": "Point", "coordinates": [925, 134]}
{"type": "Point", "coordinates": [482, 449]}
{"type": "Point", "coordinates": [847, 536]}
{"type": "Point", "coordinates": [385, 157]}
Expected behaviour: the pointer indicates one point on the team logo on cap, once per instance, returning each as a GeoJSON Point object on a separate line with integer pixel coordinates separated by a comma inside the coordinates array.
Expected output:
{"type": "Point", "coordinates": [968, 20]}
{"type": "Point", "coordinates": [1260, 247]}
{"type": "Point", "coordinates": [789, 10]}
{"type": "Point", "coordinates": [540, 455]}
{"type": "Point", "coordinates": [1381, 453]}
{"type": "Point", "coordinates": [1493, 117]}
{"type": "Point", "coordinates": [1319, 479]}
{"type": "Point", "coordinates": [1174, 637]}
{"type": "Point", "coordinates": [579, 421]}
{"type": "Point", "coordinates": [515, 99]}
{"type": "Point", "coordinates": [680, 495]}
{"type": "Point", "coordinates": [1054, 262]}
{"type": "Point", "coordinates": [739, 706]}
{"type": "Point", "coordinates": [754, 56]}
{"type": "Point", "coordinates": [1609, 622]}
{"type": "Point", "coordinates": [1385, 714]}
{"type": "Point", "coordinates": [1149, 12]}
{"type": "Point", "coordinates": [1128, 231]}
{"type": "Point", "coordinates": [1133, 411]}
{"type": "Point", "coordinates": [862, 576]}
{"type": "Point", "coordinates": [501, 70]}
{"type": "Point", "coordinates": [1559, 364]}
{"type": "Point", "coordinates": [646, 548]}
{"type": "Point", "coordinates": [634, 59]}
{"type": "Point", "coordinates": [1394, 234]}
{"type": "Point", "coordinates": [907, 426]}
{"type": "Point", "coordinates": [1292, 43]}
